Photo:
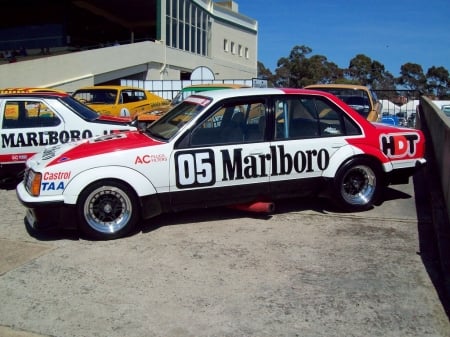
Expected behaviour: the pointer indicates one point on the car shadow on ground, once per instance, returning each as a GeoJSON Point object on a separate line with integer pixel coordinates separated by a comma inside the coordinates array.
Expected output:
{"type": "Point", "coordinates": [315, 204]}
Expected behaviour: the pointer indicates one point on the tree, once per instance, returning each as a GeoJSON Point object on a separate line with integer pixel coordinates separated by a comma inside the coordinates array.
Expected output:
{"type": "Point", "coordinates": [298, 70]}
{"type": "Point", "coordinates": [380, 78]}
{"type": "Point", "coordinates": [265, 73]}
{"type": "Point", "coordinates": [292, 69]}
{"type": "Point", "coordinates": [412, 77]}
{"type": "Point", "coordinates": [360, 68]}
{"type": "Point", "coordinates": [320, 70]}
{"type": "Point", "coordinates": [438, 82]}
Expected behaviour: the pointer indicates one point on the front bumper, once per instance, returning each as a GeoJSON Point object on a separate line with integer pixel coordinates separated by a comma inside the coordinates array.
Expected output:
{"type": "Point", "coordinates": [47, 213]}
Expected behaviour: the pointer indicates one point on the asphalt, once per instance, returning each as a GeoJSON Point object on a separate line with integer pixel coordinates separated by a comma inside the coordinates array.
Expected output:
{"type": "Point", "coordinates": [305, 270]}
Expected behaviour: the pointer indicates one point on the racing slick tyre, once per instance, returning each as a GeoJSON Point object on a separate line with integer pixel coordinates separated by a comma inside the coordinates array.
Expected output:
{"type": "Point", "coordinates": [107, 210]}
{"type": "Point", "coordinates": [358, 184]}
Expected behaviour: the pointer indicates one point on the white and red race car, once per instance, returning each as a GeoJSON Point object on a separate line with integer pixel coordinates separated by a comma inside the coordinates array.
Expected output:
{"type": "Point", "coordinates": [32, 119]}
{"type": "Point", "coordinates": [223, 147]}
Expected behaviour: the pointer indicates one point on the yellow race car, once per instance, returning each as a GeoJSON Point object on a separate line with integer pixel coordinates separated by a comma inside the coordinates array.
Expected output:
{"type": "Point", "coordinates": [124, 101]}
{"type": "Point", "coordinates": [359, 97]}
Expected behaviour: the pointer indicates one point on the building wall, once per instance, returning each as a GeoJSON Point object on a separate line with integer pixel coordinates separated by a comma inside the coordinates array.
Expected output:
{"type": "Point", "coordinates": [148, 60]}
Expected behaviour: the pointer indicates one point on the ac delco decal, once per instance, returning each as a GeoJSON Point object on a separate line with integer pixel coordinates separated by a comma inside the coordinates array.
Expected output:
{"type": "Point", "coordinates": [150, 158]}
{"type": "Point", "coordinates": [43, 138]}
{"type": "Point", "coordinates": [396, 146]}
{"type": "Point", "coordinates": [197, 168]}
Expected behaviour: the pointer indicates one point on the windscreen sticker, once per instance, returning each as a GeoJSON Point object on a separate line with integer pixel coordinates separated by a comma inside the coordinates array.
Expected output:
{"type": "Point", "coordinates": [198, 100]}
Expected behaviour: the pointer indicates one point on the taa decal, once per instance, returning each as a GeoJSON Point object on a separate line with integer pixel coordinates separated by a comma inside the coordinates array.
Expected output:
{"type": "Point", "coordinates": [396, 146]}
{"type": "Point", "coordinates": [195, 168]}
{"type": "Point", "coordinates": [52, 185]}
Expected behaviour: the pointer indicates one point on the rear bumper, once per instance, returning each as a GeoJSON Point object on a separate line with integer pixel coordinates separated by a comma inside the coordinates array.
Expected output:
{"type": "Point", "coordinates": [401, 175]}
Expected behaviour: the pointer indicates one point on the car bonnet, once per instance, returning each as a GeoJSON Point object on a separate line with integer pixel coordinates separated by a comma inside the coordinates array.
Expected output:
{"type": "Point", "coordinates": [96, 146]}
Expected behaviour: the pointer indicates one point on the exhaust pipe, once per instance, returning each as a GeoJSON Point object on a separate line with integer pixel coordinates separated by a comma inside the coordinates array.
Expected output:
{"type": "Point", "coordinates": [256, 207]}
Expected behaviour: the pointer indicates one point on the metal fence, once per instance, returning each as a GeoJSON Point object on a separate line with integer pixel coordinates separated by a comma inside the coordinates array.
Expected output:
{"type": "Point", "coordinates": [168, 89]}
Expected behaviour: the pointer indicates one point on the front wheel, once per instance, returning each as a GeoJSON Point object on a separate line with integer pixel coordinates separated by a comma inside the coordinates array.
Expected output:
{"type": "Point", "coordinates": [107, 210]}
{"type": "Point", "coordinates": [358, 185]}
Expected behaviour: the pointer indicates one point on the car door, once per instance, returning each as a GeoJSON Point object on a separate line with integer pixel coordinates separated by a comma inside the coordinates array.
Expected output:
{"type": "Point", "coordinates": [309, 130]}
{"type": "Point", "coordinates": [28, 126]}
{"type": "Point", "coordinates": [224, 158]}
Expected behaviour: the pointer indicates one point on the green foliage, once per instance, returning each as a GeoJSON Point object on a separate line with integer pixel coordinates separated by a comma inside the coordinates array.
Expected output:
{"type": "Point", "coordinates": [300, 69]}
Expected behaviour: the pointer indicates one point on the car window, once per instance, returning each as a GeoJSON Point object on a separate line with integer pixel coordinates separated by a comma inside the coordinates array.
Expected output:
{"type": "Point", "coordinates": [231, 123]}
{"type": "Point", "coordinates": [28, 114]}
{"type": "Point", "coordinates": [171, 123]}
{"type": "Point", "coordinates": [130, 95]}
{"type": "Point", "coordinates": [79, 108]}
{"type": "Point", "coordinates": [96, 96]}
{"type": "Point", "coordinates": [311, 117]}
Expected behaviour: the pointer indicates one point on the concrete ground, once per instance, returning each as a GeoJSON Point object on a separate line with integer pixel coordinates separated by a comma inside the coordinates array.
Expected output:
{"type": "Point", "coordinates": [303, 271]}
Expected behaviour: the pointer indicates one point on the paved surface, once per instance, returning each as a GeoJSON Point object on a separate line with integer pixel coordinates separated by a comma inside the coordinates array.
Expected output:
{"type": "Point", "coordinates": [304, 271]}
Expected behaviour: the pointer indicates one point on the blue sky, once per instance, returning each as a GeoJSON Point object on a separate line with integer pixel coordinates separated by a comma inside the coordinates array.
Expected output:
{"type": "Point", "coordinates": [392, 32]}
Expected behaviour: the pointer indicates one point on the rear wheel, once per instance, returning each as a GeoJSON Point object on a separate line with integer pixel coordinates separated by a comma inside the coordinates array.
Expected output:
{"type": "Point", "coordinates": [358, 184]}
{"type": "Point", "coordinates": [107, 210]}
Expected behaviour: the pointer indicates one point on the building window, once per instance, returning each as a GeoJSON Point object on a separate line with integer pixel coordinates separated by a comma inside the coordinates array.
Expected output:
{"type": "Point", "coordinates": [233, 48]}
{"type": "Point", "coordinates": [187, 27]}
{"type": "Point", "coordinates": [246, 53]}
{"type": "Point", "coordinates": [225, 45]}
{"type": "Point", "coordinates": [240, 50]}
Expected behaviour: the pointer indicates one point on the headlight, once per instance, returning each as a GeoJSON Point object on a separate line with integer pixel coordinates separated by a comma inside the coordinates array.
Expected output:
{"type": "Point", "coordinates": [32, 182]}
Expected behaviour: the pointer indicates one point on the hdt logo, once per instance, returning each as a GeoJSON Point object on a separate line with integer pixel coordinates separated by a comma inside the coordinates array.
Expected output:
{"type": "Point", "coordinates": [395, 146]}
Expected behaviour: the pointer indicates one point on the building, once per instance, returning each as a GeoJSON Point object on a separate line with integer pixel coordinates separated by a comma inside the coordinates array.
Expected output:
{"type": "Point", "coordinates": [72, 43]}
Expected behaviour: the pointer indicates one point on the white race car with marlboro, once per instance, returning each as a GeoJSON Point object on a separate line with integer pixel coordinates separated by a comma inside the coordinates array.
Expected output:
{"type": "Point", "coordinates": [33, 118]}
{"type": "Point", "coordinates": [246, 148]}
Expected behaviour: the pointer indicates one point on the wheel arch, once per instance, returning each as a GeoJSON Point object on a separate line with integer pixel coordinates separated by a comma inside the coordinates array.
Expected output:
{"type": "Point", "coordinates": [134, 179]}
{"type": "Point", "coordinates": [347, 154]}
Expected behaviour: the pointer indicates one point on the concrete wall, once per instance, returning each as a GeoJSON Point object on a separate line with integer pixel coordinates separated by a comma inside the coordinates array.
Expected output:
{"type": "Point", "coordinates": [437, 127]}
{"type": "Point", "coordinates": [147, 60]}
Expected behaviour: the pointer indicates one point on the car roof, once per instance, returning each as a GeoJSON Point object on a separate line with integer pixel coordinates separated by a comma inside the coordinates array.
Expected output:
{"type": "Point", "coordinates": [115, 87]}
{"type": "Point", "coordinates": [35, 94]}
{"type": "Point", "coordinates": [205, 87]}
{"type": "Point", "coordinates": [228, 93]}
{"type": "Point", "coordinates": [29, 90]}
{"type": "Point", "coordinates": [337, 86]}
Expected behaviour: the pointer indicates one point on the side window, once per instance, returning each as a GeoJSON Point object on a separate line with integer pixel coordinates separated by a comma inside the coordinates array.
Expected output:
{"type": "Point", "coordinates": [129, 96]}
{"type": "Point", "coordinates": [311, 117]}
{"type": "Point", "coordinates": [231, 123]}
{"type": "Point", "coordinates": [296, 118]}
{"type": "Point", "coordinates": [333, 121]}
{"type": "Point", "coordinates": [28, 114]}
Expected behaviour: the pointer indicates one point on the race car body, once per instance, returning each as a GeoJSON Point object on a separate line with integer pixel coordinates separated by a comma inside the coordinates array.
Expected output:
{"type": "Point", "coordinates": [125, 101]}
{"type": "Point", "coordinates": [359, 97]}
{"type": "Point", "coordinates": [225, 147]}
{"type": "Point", "coordinates": [31, 120]}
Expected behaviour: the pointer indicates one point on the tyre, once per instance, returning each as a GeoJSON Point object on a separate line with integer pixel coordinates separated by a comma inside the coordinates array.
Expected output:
{"type": "Point", "coordinates": [107, 210]}
{"type": "Point", "coordinates": [358, 184]}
